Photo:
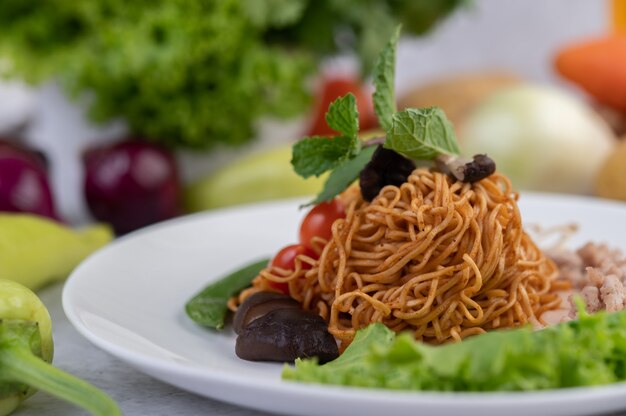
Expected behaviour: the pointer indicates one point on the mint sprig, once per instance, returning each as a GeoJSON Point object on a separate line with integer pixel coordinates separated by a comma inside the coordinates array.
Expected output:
{"type": "Point", "coordinates": [313, 156]}
{"type": "Point", "coordinates": [421, 134]}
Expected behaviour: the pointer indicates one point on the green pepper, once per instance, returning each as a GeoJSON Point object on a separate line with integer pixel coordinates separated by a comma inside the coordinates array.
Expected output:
{"type": "Point", "coordinates": [26, 351]}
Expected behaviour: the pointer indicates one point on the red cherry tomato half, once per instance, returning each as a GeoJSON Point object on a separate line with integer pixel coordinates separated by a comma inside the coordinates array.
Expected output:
{"type": "Point", "coordinates": [319, 221]}
{"type": "Point", "coordinates": [285, 259]}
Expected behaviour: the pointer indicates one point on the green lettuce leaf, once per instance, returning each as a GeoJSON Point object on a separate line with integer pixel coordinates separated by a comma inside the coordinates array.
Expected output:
{"type": "Point", "coordinates": [348, 368]}
{"type": "Point", "coordinates": [587, 352]}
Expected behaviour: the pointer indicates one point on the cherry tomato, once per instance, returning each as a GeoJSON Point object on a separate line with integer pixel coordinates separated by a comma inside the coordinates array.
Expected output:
{"type": "Point", "coordinates": [318, 222]}
{"type": "Point", "coordinates": [285, 259]}
{"type": "Point", "coordinates": [332, 88]}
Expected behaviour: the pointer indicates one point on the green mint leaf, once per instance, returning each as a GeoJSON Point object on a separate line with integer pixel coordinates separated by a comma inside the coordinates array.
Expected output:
{"type": "Point", "coordinates": [384, 79]}
{"type": "Point", "coordinates": [344, 174]}
{"type": "Point", "coordinates": [422, 134]}
{"type": "Point", "coordinates": [209, 307]}
{"type": "Point", "coordinates": [315, 155]}
{"type": "Point", "coordinates": [343, 116]}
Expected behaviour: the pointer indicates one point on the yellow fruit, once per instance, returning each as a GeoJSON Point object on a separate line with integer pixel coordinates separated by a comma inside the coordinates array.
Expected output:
{"type": "Point", "coordinates": [261, 176]}
{"type": "Point", "coordinates": [35, 251]}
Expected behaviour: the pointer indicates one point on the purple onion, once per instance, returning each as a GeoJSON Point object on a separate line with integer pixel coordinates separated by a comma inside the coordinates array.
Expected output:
{"type": "Point", "coordinates": [131, 184]}
{"type": "Point", "coordinates": [24, 185]}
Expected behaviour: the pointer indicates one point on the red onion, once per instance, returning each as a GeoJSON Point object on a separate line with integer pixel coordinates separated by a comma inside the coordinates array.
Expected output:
{"type": "Point", "coordinates": [131, 184]}
{"type": "Point", "coordinates": [24, 185]}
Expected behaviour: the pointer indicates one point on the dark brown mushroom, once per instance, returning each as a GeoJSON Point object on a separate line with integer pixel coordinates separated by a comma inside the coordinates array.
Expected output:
{"type": "Point", "coordinates": [479, 168]}
{"type": "Point", "coordinates": [386, 168]}
{"type": "Point", "coordinates": [259, 304]}
{"type": "Point", "coordinates": [284, 335]}
{"type": "Point", "coordinates": [465, 170]}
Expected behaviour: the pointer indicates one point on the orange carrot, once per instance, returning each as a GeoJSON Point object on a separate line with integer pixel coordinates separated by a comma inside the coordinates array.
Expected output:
{"type": "Point", "coordinates": [618, 13]}
{"type": "Point", "coordinates": [599, 67]}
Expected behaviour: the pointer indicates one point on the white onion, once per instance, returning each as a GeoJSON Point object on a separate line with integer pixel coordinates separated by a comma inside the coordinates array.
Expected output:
{"type": "Point", "coordinates": [541, 137]}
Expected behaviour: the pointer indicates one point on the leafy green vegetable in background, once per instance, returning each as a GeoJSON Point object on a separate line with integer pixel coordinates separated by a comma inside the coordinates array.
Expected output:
{"type": "Point", "coordinates": [195, 73]}
{"type": "Point", "coordinates": [591, 351]}
{"type": "Point", "coordinates": [185, 72]}
{"type": "Point", "coordinates": [369, 23]}
{"type": "Point", "coordinates": [208, 308]}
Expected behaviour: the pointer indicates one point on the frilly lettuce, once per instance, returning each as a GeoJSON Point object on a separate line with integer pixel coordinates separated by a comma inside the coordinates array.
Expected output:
{"type": "Point", "coordinates": [589, 351]}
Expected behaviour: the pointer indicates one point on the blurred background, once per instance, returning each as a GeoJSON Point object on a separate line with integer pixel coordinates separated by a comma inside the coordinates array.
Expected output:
{"type": "Point", "coordinates": [117, 114]}
{"type": "Point", "coordinates": [134, 112]}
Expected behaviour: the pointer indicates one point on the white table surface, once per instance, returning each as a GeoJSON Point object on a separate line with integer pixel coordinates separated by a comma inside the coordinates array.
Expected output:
{"type": "Point", "coordinates": [136, 393]}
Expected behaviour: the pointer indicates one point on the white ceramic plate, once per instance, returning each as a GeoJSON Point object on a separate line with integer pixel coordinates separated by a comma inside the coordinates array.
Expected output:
{"type": "Point", "coordinates": [128, 299]}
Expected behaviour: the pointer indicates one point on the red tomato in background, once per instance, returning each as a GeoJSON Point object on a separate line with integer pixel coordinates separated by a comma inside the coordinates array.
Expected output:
{"type": "Point", "coordinates": [332, 88]}
{"type": "Point", "coordinates": [318, 222]}
{"type": "Point", "coordinates": [285, 259]}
